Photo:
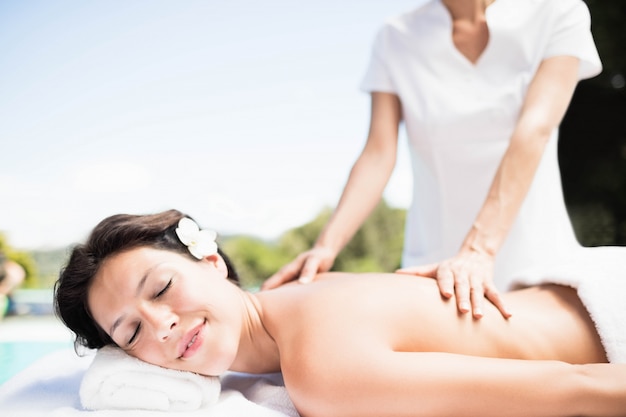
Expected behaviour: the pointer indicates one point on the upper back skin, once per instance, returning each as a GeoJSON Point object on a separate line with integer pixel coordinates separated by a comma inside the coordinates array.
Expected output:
{"type": "Point", "coordinates": [406, 313]}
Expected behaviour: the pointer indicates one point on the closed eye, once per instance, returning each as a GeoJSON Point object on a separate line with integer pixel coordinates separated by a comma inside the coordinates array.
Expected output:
{"type": "Point", "coordinates": [164, 290]}
{"type": "Point", "coordinates": [134, 336]}
{"type": "Point", "coordinates": [138, 328]}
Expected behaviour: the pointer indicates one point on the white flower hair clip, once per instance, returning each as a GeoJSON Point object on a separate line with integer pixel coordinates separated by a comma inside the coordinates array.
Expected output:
{"type": "Point", "coordinates": [200, 243]}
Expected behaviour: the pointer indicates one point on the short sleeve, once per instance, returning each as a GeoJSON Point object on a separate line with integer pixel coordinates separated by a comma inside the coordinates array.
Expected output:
{"type": "Point", "coordinates": [572, 36]}
{"type": "Point", "coordinates": [377, 76]}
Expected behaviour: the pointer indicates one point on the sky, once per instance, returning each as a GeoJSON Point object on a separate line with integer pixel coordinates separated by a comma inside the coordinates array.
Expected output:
{"type": "Point", "coordinates": [245, 114]}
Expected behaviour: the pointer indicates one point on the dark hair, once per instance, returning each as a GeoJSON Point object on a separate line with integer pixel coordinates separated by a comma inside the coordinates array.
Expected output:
{"type": "Point", "coordinates": [111, 236]}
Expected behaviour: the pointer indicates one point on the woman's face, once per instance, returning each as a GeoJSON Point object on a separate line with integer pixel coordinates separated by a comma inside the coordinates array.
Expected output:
{"type": "Point", "coordinates": [169, 310]}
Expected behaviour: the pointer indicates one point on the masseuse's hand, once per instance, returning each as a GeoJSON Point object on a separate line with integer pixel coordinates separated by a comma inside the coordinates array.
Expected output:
{"type": "Point", "coordinates": [469, 276]}
{"type": "Point", "coordinates": [304, 268]}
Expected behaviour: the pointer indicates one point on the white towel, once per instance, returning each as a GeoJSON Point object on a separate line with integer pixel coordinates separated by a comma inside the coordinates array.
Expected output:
{"type": "Point", "coordinates": [599, 276]}
{"type": "Point", "coordinates": [116, 380]}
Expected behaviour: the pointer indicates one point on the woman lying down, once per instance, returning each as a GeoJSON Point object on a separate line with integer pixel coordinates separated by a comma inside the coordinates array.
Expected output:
{"type": "Point", "coordinates": [347, 344]}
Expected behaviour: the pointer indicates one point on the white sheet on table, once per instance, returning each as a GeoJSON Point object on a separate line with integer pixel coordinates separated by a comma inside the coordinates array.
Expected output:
{"type": "Point", "coordinates": [50, 387]}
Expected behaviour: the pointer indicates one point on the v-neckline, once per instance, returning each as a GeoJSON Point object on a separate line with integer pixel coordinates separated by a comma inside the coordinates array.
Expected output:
{"type": "Point", "coordinates": [450, 38]}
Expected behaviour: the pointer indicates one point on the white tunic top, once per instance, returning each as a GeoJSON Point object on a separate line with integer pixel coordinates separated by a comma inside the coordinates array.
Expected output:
{"type": "Point", "coordinates": [459, 118]}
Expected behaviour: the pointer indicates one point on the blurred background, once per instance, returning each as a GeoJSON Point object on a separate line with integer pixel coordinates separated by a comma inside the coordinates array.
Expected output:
{"type": "Point", "coordinates": [246, 115]}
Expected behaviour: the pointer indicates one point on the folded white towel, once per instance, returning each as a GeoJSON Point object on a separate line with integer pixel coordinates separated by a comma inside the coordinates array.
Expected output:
{"type": "Point", "coordinates": [116, 380]}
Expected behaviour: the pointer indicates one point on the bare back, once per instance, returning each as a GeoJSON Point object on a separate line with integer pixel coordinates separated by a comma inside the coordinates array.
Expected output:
{"type": "Point", "coordinates": [346, 337]}
{"type": "Point", "coordinates": [407, 314]}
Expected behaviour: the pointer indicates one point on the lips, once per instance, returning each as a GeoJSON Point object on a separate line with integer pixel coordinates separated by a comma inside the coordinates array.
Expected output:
{"type": "Point", "coordinates": [192, 341]}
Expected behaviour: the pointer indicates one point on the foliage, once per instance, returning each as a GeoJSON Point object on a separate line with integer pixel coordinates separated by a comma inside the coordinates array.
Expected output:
{"type": "Point", "coordinates": [301, 238]}
{"type": "Point", "coordinates": [254, 259]}
{"type": "Point", "coordinates": [377, 246]}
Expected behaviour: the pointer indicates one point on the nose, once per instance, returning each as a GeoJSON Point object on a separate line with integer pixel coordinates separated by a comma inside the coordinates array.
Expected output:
{"type": "Point", "coordinates": [160, 318]}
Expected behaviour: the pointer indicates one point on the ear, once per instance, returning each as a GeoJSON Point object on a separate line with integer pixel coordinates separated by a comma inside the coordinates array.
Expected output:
{"type": "Point", "coordinates": [217, 262]}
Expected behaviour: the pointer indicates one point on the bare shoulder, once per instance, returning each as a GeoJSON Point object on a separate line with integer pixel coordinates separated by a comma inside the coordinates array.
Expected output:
{"type": "Point", "coordinates": [338, 314]}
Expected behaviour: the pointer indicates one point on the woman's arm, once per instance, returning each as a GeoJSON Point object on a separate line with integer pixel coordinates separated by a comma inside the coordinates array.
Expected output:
{"type": "Point", "coordinates": [368, 176]}
{"type": "Point", "coordinates": [469, 274]}
{"type": "Point", "coordinates": [366, 183]}
{"type": "Point", "coordinates": [439, 384]}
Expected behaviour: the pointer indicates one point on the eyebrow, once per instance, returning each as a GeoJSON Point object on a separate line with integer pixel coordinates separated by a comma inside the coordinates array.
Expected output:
{"type": "Point", "coordinates": [140, 285]}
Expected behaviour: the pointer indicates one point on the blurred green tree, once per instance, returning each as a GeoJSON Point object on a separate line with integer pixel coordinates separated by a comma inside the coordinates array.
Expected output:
{"type": "Point", "coordinates": [377, 246]}
{"type": "Point", "coordinates": [254, 259]}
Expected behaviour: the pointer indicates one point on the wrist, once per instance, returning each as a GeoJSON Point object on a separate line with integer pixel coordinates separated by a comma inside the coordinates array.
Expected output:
{"type": "Point", "coordinates": [480, 241]}
{"type": "Point", "coordinates": [328, 251]}
{"type": "Point", "coordinates": [328, 245]}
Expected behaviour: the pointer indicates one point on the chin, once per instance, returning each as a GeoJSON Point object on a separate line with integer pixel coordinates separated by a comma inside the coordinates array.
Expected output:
{"type": "Point", "coordinates": [213, 370]}
{"type": "Point", "coordinates": [205, 368]}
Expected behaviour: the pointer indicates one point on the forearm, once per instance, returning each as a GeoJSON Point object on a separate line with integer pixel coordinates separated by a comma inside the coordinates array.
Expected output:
{"type": "Point", "coordinates": [439, 384]}
{"type": "Point", "coordinates": [368, 176]}
{"type": "Point", "coordinates": [521, 388]}
{"type": "Point", "coordinates": [547, 100]}
{"type": "Point", "coordinates": [507, 192]}
{"type": "Point", "coordinates": [602, 390]}
{"type": "Point", "coordinates": [362, 192]}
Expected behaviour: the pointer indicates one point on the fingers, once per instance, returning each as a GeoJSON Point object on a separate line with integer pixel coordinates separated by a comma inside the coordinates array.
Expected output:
{"type": "Point", "coordinates": [445, 278]}
{"type": "Point", "coordinates": [477, 297]}
{"type": "Point", "coordinates": [493, 295]}
{"type": "Point", "coordinates": [470, 293]}
{"type": "Point", "coordinates": [276, 280]}
{"type": "Point", "coordinates": [304, 268]}
{"type": "Point", "coordinates": [429, 271]}
{"type": "Point", "coordinates": [285, 274]}
{"type": "Point", "coordinates": [445, 281]}
{"type": "Point", "coordinates": [309, 270]}
{"type": "Point", "coordinates": [473, 291]}
{"type": "Point", "coordinates": [462, 290]}
{"type": "Point", "coordinates": [470, 280]}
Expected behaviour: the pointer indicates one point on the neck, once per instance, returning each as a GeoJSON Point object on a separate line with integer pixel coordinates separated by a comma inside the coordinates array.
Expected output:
{"type": "Point", "coordinates": [467, 9]}
{"type": "Point", "coordinates": [258, 352]}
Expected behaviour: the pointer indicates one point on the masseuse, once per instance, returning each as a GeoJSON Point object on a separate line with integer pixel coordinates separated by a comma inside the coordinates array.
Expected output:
{"type": "Point", "coordinates": [481, 87]}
